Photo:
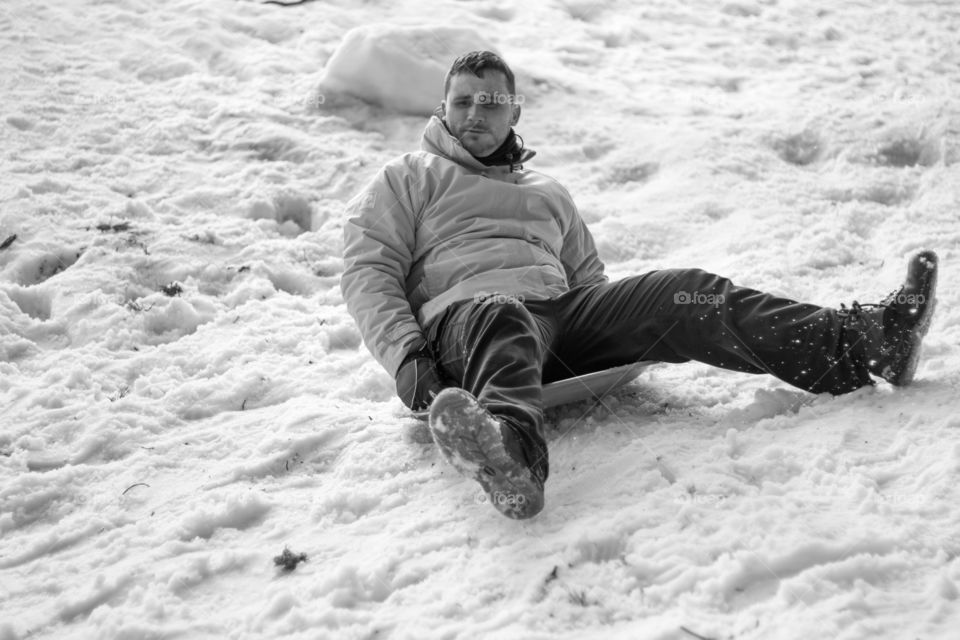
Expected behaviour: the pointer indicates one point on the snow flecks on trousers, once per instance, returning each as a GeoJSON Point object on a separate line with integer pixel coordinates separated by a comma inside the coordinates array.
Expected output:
{"type": "Point", "coordinates": [184, 394]}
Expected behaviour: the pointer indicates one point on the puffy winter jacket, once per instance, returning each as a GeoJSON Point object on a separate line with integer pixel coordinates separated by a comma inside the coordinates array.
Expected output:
{"type": "Point", "coordinates": [437, 226]}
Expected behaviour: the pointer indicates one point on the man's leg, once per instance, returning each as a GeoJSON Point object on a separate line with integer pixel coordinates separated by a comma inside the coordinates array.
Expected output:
{"type": "Point", "coordinates": [491, 429]}
{"type": "Point", "coordinates": [495, 350]}
{"type": "Point", "coordinates": [688, 314]}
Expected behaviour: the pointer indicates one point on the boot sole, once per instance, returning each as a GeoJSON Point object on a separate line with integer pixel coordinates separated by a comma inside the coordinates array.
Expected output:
{"type": "Point", "coordinates": [902, 376]}
{"type": "Point", "coordinates": [469, 439]}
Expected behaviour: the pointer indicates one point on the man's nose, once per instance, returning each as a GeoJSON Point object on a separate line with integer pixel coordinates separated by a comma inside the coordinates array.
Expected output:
{"type": "Point", "coordinates": [474, 113]}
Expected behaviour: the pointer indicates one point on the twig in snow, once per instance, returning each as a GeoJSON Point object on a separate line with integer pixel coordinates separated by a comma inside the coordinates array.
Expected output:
{"type": "Point", "coordinates": [286, 4]}
{"type": "Point", "coordinates": [9, 241]}
{"type": "Point", "coordinates": [138, 484]}
{"type": "Point", "coordinates": [695, 635]}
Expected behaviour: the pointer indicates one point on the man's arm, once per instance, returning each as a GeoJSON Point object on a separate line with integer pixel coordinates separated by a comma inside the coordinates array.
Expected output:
{"type": "Point", "coordinates": [379, 241]}
{"type": "Point", "coordinates": [579, 253]}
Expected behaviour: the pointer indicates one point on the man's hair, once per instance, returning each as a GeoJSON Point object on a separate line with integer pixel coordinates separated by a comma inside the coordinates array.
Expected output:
{"type": "Point", "coordinates": [476, 62]}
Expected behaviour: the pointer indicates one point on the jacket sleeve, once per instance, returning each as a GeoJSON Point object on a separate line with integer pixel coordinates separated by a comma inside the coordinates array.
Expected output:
{"type": "Point", "coordinates": [379, 241]}
{"type": "Point", "coordinates": [579, 252]}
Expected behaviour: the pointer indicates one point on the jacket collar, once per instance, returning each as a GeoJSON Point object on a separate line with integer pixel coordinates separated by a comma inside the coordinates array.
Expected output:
{"type": "Point", "coordinates": [440, 142]}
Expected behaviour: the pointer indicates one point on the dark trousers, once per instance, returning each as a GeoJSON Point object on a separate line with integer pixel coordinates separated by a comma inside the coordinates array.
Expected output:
{"type": "Point", "coordinates": [502, 349]}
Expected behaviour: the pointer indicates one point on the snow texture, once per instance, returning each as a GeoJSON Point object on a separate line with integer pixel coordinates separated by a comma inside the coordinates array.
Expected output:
{"type": "Point", "coordinates": [184, 394]}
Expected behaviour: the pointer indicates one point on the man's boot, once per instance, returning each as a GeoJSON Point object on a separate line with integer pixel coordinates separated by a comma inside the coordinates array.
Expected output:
{"type": "Point", "coordinates": [894, 328]}
{"type": "Point", "coordinates": [490, 451]}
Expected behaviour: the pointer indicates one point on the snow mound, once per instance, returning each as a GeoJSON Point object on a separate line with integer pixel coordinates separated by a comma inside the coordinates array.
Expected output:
{"type": "Point", "coordinates": [228, 511]}
{"type": "Point", "coordinates": [398, 68]}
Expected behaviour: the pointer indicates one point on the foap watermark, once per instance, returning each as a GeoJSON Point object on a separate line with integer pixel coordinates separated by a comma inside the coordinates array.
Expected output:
{"type": "Point", "coordinates": [905, 499]}
{"type": "Point", "coordinates": [483, 297]}
{"type": "Point", "coordinates": [100, 299]}
{"type": "Point", "coordinates": [700, 499]}
{"type": "Point", "coordinates": [289, 101]}
{"type": "Point", "coordinates": [685, 297]}
{"type": "Point", "coordinates": [485, 97]}
{"type": "Point", "coordinates": [500, 498]}
{"type": "Point", "coordinates": [912, 299]}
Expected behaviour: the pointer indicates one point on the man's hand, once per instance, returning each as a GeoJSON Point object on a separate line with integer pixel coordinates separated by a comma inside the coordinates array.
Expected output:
{"type": "Point", "coordinates": [418, 380]}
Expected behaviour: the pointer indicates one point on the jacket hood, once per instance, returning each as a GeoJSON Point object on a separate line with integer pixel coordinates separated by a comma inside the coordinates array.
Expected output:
{"type": "Point", "coordinates": [440, 142]}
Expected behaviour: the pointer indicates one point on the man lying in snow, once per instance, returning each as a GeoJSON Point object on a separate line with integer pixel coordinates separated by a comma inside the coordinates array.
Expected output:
{"type": "Point", "coordinates": [474, 281]}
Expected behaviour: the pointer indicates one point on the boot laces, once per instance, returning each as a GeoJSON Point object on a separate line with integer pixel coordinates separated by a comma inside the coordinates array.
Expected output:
{"type": "Point", "coordinates": [856, 309]}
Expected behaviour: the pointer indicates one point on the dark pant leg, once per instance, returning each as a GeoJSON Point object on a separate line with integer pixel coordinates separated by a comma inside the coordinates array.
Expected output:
{"type": "Point", "coordinates": [495, 350]}
{"type": "Point", "coordinates": [687, 314]}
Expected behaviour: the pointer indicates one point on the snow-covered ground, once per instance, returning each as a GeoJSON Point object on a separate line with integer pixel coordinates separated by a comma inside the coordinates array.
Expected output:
{"type": "Point", "coordinates": [183, 394]}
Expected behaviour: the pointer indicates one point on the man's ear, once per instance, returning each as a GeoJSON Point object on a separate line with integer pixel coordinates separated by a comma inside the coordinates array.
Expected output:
{"type": "Point", "coordinates": [443, 109]}
{"type": "Point", "coordinates": [516, 115]}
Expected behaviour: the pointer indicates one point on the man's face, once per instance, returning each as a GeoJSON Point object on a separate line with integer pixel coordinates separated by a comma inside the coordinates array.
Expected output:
{"type": "Point", "coordinates": [480, 111]}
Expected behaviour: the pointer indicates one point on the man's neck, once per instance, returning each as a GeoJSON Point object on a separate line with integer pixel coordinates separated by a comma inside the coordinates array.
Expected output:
{"type": "Point", "coordinates": [507, 153]}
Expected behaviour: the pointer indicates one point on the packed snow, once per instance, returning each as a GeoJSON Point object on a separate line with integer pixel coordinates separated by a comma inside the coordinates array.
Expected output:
{"type": "Point", "coordinates": [185, 399]}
